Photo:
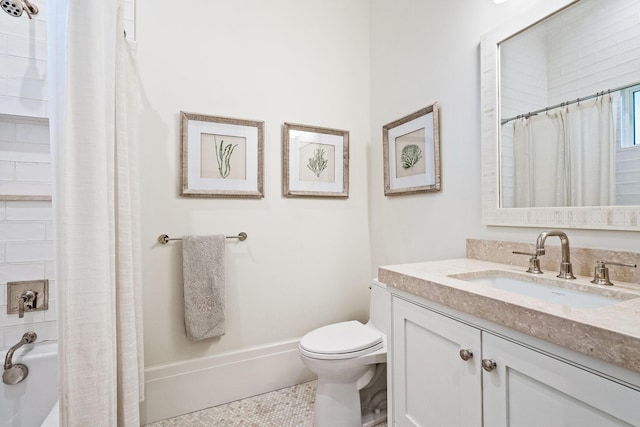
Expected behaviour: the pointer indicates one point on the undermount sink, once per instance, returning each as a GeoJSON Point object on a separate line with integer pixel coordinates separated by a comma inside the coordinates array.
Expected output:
{"type": "Point", "coordinates": [547, 290]}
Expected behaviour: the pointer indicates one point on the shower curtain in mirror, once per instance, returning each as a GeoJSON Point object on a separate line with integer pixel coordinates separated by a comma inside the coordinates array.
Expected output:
{"type": "Point", "coordinates": [94, 111]}
{"type": "Point", "coordinates": [566, 157]}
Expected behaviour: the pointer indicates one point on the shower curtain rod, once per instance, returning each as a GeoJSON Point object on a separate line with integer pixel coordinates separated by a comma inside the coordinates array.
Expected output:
{"type": "Point", "coordinates": [562, 104]}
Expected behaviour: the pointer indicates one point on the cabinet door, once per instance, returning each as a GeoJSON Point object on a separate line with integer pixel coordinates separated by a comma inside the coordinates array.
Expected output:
{"type": "Point", "coordinates": [529, 388]}
{"type": "Point", "coordinates": [432, 384]}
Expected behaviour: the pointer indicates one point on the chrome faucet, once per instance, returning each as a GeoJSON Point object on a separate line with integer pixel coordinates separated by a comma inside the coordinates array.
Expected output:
{"type": "Point", "coordinates": [13, 374]}
{"type": "Point", "coordinates": [566, 270]}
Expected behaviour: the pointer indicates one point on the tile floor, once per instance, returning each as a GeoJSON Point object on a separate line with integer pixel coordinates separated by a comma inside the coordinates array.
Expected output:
{"type": "Point", "coordinates": [289, 407]}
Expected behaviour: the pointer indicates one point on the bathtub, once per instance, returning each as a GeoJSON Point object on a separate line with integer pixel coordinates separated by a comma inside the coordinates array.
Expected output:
{"type": "Point", "coordinates": [34, 401]}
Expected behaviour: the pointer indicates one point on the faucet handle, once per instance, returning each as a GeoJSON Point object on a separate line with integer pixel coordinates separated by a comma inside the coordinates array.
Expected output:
{"type": "Point", "coordinates": [26, 302]}
{"type": "Point", "coordinates": [601, 272]}
{"type": "Point", "coordinates": [534, 262]}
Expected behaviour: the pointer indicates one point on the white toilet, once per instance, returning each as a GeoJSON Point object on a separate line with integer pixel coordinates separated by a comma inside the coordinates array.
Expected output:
{"type": "Point", "coordinates": [350, 361]}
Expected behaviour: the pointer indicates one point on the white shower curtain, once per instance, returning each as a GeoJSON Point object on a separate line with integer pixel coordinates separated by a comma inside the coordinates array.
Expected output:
{"type": "Point", "coordinates": [94, 111]}
{"type": "Point", "coordinates": [590, 140]}
{"type": "Point", "coordinates": [566, 157]}
{"type": "Point", "coordinates": [539, 162]}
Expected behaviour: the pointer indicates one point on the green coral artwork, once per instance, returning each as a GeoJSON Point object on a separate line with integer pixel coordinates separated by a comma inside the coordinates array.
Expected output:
{"type": "Point", "coordinates": [411, 155]}
{"type": "Point", "coordinates": [317, 164]}
{"type": "Point", "coordinates": [223, 156]}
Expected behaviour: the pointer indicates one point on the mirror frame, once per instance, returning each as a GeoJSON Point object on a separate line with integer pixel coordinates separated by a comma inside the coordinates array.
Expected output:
{"type": "Point", "coordinates": [599, 217]}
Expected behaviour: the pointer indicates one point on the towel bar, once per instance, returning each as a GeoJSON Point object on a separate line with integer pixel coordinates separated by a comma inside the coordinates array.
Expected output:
{"type": "Point", "coordinates": [164, 239]}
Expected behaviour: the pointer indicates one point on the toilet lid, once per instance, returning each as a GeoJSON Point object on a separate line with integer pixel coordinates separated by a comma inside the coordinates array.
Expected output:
{"type": "Point", "coordinates": [343, 338]}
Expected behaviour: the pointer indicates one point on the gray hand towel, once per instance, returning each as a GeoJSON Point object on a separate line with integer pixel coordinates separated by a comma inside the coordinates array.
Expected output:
{"type": "Point", "coordinates": [204, 286]}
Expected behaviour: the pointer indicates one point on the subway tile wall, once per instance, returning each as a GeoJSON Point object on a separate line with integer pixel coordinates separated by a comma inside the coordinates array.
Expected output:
{"type": "Point", "coordinates": [612, 43]}
{"type": "Point", "coordinates": [26, 227]}
{"type": "Point", "coordinates": [23, 64]}
{"type": "Point", "coordinates": [26, 253]}
{"type": "Point", "coordinates": [523, 88]}
{"type": "Point", "coordinates": [129, 19]}
{"type": "Point", "coordinates": [608, 38]}
{"type": "Point", "coordinates": [25, 160]}
{"type": "Point", "coordinates": [615, 58]}
{"type": "Point", "coordinates": [23, 60]}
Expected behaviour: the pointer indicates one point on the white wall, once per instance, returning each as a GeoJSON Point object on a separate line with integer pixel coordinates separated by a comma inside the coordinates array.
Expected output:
{"type": "Point", "coordinates": [306, 262]}
{"type": "Point", "coordinates": [423, 52]}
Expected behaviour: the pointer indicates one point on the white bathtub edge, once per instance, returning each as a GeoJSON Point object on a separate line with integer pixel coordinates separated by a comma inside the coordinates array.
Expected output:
{"type": "Point", "coordinates": [53, 419]}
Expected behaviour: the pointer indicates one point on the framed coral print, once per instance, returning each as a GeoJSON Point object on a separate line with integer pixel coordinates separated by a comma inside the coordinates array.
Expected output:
{"type": "Point", "coordinates": [412, 153]}
{"type": "Point", "coordinates": [315, 161]}
{"type": "Point", "coordinates": [221, 156]}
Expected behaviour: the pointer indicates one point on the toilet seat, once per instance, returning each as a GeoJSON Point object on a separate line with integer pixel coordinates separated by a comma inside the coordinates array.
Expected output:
{"type": "Point", "coordinates": [342, 340]}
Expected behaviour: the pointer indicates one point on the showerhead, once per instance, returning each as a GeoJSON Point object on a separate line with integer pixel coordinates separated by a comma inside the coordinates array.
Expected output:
{"type": "Point", "coordinates": [16, 7]}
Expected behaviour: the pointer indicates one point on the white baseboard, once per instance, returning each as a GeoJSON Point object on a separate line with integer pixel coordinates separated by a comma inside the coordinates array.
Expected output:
{"type": "Point", "coordinates": [179, 388]}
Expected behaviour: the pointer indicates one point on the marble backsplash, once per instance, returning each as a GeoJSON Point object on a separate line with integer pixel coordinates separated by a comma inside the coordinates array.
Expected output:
{"type": "Point", "coordinates": [582, 259]}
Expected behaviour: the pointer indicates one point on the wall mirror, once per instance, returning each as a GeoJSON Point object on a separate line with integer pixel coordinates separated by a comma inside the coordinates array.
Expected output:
{"type": "Point", "coordinates": [561, 116]}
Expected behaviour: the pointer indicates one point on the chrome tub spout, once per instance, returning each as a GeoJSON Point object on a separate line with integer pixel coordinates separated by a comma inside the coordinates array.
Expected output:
{"type": "Point", "coordinates": [13, 374]}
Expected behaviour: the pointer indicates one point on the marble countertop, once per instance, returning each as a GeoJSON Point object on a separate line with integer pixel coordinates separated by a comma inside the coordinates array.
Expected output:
{"type": "Point", "coordinates": [610, 333]}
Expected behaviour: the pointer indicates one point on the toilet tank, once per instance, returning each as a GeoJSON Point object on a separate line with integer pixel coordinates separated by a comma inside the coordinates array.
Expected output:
{"type": "Point", "coordinates": [380, 307]}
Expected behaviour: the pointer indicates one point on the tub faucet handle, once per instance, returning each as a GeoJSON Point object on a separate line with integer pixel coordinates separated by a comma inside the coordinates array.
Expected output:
{"type": "Point", "coordinates": [26, 302]}
{"type": "Point", "coordinates": [27, 295]}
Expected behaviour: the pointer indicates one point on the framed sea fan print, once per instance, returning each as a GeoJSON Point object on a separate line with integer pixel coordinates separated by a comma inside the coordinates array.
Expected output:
{"type": "Point", "coordinates": [221, 156]}
{"type": "Point", "coordinates": [315, 161]}
{"type": "Point", "coordinates": [412, 153]}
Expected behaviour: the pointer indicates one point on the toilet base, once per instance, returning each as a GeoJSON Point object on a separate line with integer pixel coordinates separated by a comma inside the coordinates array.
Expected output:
{"type": "Point", "coordinates": [370, 418]}
{"type": "Point", "coordinates": [352, 403]}
{"type": "Point", "coordinates": [337, 405]}
{"type": "Point", "coordinates": [373, 398]}
{"type": "Point", "coordinates": [331, 413]}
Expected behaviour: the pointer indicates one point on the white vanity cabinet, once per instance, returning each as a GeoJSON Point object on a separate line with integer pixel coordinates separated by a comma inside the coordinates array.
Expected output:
{"type": "Point", "coordinates": [433, 386]}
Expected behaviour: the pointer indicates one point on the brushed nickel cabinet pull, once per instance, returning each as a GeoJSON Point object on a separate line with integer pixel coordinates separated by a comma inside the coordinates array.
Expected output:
{"type": "Point", "coordinates": [466, 354]}
{"type": "Point", "coordinates": [488, 364]}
